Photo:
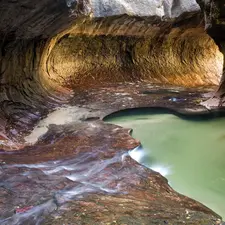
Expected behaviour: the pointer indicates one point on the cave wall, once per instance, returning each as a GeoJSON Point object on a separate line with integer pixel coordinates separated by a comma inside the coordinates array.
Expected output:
{"type": "Point", "coordinates": [48, 47]}
{"type": "Point", "coordinates": [186, 57]}
{"type": "Point", "coordinates": [214, 16]}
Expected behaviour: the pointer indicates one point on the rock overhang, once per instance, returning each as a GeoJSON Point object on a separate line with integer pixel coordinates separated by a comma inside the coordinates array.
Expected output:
{"type": "Point", "coordinates": [164, 9]}
{"type": "Point", "coordinates": [153, 41]}
{"type": "Point", "coordinates": [23, 19]}
{"type": "Point", "coordinates": [32, 36]}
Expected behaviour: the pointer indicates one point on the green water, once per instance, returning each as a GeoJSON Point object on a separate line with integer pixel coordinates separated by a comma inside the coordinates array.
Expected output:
{"type": "Point", "coordinates": [191, 154]}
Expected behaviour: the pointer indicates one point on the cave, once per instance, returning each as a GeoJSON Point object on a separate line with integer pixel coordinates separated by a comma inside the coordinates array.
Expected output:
{"type": "Point", "coordinates": [65, 67]}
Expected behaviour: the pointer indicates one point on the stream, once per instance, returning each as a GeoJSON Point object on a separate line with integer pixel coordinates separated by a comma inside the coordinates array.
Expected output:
{"type": "Point", "coordinates": [189, 153]}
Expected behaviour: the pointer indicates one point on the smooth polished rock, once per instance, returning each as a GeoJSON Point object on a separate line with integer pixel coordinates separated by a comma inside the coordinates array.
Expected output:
{"type": "Point", "coordinates": [80, 171]}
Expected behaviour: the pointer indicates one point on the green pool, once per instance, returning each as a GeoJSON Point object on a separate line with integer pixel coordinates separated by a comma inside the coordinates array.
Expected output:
{"type": "Point", "coordinates": [190, 154]}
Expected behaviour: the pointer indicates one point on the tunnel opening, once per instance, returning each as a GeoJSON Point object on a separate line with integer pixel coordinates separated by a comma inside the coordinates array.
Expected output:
{"type": "Point", "coordinates": [182, 57]}
{"type": "Point", "coordinates": [43, 73]}
{"type": "Point", "coordinates": [66, 65]}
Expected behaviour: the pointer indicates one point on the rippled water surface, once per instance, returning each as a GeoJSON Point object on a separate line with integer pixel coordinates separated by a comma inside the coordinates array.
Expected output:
{"type": "Point", "coordinates": [191, 154]}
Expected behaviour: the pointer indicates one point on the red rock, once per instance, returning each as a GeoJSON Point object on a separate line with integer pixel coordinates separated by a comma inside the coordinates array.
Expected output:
{"type": "Point", "coordinates": [24, 209]}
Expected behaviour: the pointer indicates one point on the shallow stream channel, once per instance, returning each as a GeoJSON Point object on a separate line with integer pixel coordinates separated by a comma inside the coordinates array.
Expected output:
{"type": "Point", "coordinates": [189, 152]}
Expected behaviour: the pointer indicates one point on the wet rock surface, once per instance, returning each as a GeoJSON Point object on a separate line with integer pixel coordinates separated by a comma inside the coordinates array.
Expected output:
{"type": "Point", "coordinates": [81, 172]}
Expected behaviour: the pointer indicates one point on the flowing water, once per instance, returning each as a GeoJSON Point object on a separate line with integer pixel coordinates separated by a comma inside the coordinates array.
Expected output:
{"type": "Point", "coordinates": [189, 153]}
{"type": "Point", "coordinates": [34, 191]}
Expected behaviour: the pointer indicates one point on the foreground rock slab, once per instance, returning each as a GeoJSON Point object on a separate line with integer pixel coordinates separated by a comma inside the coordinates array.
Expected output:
{"type": "Point", "coordinates": [81, 172]}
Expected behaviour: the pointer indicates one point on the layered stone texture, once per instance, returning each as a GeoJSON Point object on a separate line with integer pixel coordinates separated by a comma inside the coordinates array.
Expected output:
{"type": "Point", "coordinates": [53, 49]}
{"type": "Point", "coordinates": [81, 172]}
{"type": "Point", "coordinates": [45, 50]}
{"type": "Point", "coordinates": [50, 48]}
{"type": "Point", "coordinates": [214, 14]}
{"type": "Point", "coordinates": [182, 57]}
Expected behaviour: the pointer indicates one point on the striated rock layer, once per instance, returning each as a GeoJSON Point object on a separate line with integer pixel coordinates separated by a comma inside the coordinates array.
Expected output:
{"type": "Point", "coordinates": [182, 57]}
{"type": "Point", "coordinates": [81, 172]}
{"type": "Point", "coordinates": [52, 50]}
{"type": "Point", "coordinates": [48, 48]}
{"type": "Point", "coordinates": [50, 45]}
{"type": "Point", "coordinates": [214, 16]}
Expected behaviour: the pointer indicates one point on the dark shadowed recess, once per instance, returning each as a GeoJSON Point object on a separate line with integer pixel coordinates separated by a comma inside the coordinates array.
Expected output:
{"type": "Point", "coordinates": [193, 116]}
